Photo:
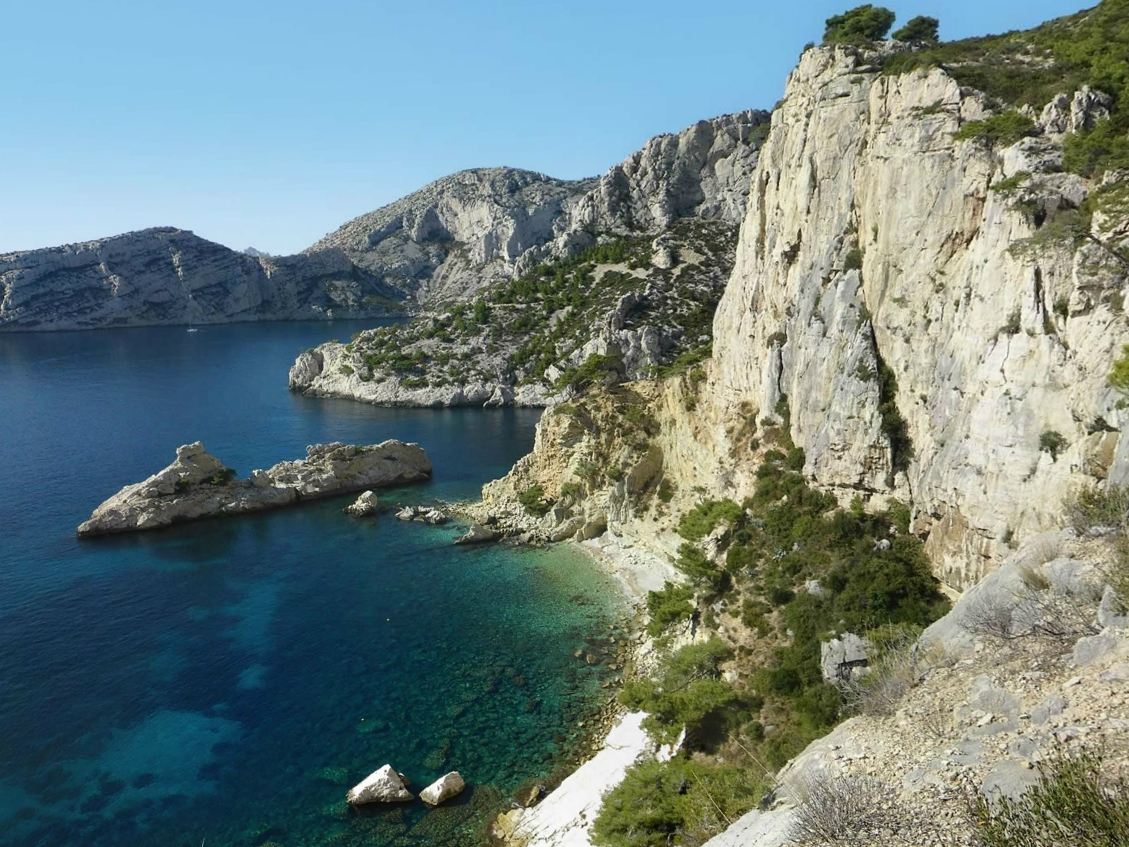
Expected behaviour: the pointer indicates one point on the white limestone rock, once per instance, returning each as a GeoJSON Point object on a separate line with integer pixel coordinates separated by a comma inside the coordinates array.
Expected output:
{"type": "Point", "coordinates": [364, 506]}
{"type": "Point", "coordinates": [872, 238]}
{"type": "Point", "coordinates": [197, 485]}
{"type": "Point", "coordinates": [843, 657]}
{"type": "Point", "coordinates": [443, 789]}
{"type": "Point", "coordinates": [381, 786]}
{"type": "Point", "coordinates": [478, 534]}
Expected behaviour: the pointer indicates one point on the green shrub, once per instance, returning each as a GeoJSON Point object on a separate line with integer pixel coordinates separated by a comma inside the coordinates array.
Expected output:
{"type": "Point", "coordinates": [1092, 153]}
{"type": "Point", "coordinates": [701, 572]}
{"type": "Point", "coordinates": [919, 30]}
{"type": "Point", "coordinates": [1074, 802]}
{"type": "Point", "coordinates": [673, 604]}
{"type": "Point", "coordinates": [893, 424]}
{"type": "Point", "coordinates": [999, 130]}
{"type": "Point", "coordinates": [858, 25]}
{"type": "Point", "coordinates": [533, 500]}
{"type": "Point", "coordinates": [1053, 442]}
{"type": "Point", "coordinates": [666, 490]}
{"type": "Point", "coordinates": [704, 518]}
{"type": "Point", "coordinates": [1119, 374]}
{"type": "Point", "coordinates": [346, 369]}
{"type": "Point", "coordinates": [1012, 182]}
{"type": "Point", "coordinates": [853, 260]}
{"type": "Point", "coordinates": [688, 692]}
{"type": "Point", "coordinates": [675, 802]}
{"type": "Point", "coordinates": [222, 477]}
{"type": "Point", "coordinates": [571, 490]}
{"type": "Point", "coordinates": [595, 367]}
{"type": "Point", "coordinates": [1093, 506]}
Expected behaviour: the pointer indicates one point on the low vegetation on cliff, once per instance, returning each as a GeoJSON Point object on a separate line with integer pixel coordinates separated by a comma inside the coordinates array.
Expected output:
{"type": "Point", "coordinates": [772, 577]}
{"type": "Point", "coordinates": [539, 328]}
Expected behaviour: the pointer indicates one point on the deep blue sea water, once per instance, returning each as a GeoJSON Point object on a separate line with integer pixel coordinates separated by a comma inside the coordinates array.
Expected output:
{"type": "Point", "coordinates": [225, 682]}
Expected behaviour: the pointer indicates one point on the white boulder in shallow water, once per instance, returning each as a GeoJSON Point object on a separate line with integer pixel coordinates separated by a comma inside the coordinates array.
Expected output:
{"type": "Point", "coordinates": [443, 789]}
{"type": "Point", "coordinates": [364, 506]}
{"type": "Point", "coordinates": [426, 514]}
{"type": "Point", "coordinates": [478, 534]}
{"type": "Point", "coordinates": [381, 786]}
{"type": "Point", "coordinates": [198, 485]}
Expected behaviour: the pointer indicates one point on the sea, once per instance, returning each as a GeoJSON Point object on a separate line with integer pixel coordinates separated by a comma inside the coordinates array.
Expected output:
{"type": "Point", "coordinates": [224, 683]}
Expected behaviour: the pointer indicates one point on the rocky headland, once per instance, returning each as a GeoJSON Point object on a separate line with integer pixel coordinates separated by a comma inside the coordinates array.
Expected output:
{"type": "Point", "coordinates": [630, 276]}
{"type": "Point", "coordinates": [198, 485]}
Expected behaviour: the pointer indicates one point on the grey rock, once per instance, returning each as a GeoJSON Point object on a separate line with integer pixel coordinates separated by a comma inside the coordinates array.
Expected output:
{"type": "Point", "coordinates": [364, 506]}
{"type": "Point", "coordinates": [166, 276]}
{"type": "Point", "coordinates": [1050, 707]}
{"type": "Point", "coordinates": [842, 657]}
{"type": "Point", "coordinates": [1117, 673]}
{"type": "Point", "coordinates": [985, 694]}
{"type": "Point", "coordinates": [1094, 648]}
{"type": "Point", "coordinates": [1009, 778]}
{"type": "Point", "coordinates": [443, 789]}
{"type": "Point", "coordinates": [478, 534]}
{"type": "Point", "coordinates": [197, 485]}
{"type": "Point", "coordinates": [1111, 611]}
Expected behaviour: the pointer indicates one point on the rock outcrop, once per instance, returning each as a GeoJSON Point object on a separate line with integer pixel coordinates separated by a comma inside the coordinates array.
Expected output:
{"type": "Point", "coordinates": [197, 485]}
{"type": "Point", "coordinates": [169, 276]}
{"type": "Point", "coordinates": [478, 534]}
{"type": "Point", "coordinates": [383, 785]}
{"type": "Point", "coordinates": [443, 789]}
{"type": "Point", "coordinates": [364, 506]}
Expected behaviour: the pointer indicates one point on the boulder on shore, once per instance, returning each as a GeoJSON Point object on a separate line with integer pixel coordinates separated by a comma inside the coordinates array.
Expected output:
{"type": "Point", "coordinates": [363, 506]}
{"type": "Point", "coordinates": [381, 786]}
{"type": "Point", "coordinates": [198, 485]}
{"type": "Point", "coordinates": [443, 789]}
{"type": "Point", "coordinates": [478, 534]}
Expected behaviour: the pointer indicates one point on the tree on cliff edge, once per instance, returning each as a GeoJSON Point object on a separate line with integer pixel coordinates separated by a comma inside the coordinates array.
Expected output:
{"type": "Point", "coordinates": [920, 30]}
{"type": "Point", "coordinates": [862, 23]}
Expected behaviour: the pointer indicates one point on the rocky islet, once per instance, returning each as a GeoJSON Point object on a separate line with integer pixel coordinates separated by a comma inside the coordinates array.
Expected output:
{"type": "Point", "coordinates": [198, 485]}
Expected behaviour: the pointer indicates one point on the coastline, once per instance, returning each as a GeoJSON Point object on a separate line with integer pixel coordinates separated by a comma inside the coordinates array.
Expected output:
{"type": "Point", "coordinates": [564, 817]}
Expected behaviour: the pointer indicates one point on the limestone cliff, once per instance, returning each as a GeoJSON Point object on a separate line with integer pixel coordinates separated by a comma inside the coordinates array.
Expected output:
{"type": "Point", "coordinates": [171, 276]}
{"type": "Point", "coordinates": [933, 318]}
{"type": "Point", "coordinates": [931, 334]}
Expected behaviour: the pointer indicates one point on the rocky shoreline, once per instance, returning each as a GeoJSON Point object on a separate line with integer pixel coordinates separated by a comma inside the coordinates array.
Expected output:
{"type": "Point", "coordinates": [198, 485]}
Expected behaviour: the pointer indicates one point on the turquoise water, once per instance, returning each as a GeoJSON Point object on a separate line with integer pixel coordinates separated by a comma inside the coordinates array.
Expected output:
{"type": "Point", "coordinates": [226, 681]}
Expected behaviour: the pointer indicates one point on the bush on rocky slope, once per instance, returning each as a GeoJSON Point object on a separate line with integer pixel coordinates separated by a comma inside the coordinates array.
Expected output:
{"type": "Point", "coordinates": [534, 329]}
{"type": "Point", "coordinates": [675, 802]}
{"type": "Point", "coordinates": [789, 569]}
{"type": "Point", "coordinates": [1031, 67]}
{"type": "Point", "coordinates": [1074, 802]}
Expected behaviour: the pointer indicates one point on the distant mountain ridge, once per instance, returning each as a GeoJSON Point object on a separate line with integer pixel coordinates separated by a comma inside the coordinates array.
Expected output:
{"type": "Point", "coordinates": [441, 243]}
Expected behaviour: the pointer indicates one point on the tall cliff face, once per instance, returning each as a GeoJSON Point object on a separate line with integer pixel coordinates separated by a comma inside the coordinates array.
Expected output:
{"type": "Point", "coordinates": [930, 339]}
{"type": "Point", "coordinates": [933, 318]}
{"type": "Point", "coordinates": [170, 276]}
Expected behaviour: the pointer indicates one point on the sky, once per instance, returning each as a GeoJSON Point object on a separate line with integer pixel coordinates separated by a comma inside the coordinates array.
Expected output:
{"type": "Point", "coordinates": [270, 124]}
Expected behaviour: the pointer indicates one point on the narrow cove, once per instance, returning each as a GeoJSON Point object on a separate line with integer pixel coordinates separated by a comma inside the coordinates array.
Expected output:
{"type": "Point", "coordinates": [229, 680]}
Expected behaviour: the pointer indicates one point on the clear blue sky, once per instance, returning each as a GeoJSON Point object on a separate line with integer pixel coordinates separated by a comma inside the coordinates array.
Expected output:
{"type": "Point", "coordinates": [268, 124]}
